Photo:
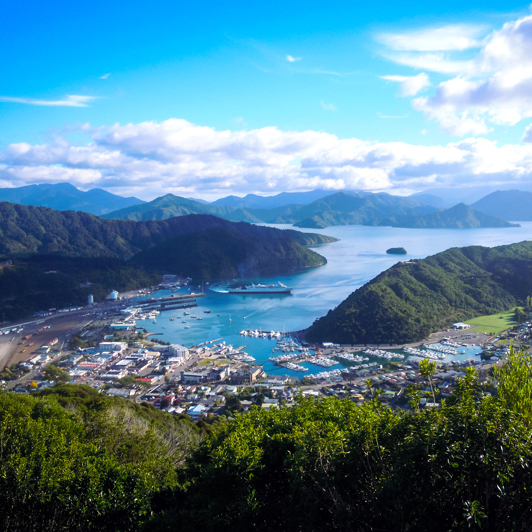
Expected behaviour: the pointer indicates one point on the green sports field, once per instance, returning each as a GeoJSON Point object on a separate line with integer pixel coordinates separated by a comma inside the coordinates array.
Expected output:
{"type": "Point", "coordinates": [493, 324]}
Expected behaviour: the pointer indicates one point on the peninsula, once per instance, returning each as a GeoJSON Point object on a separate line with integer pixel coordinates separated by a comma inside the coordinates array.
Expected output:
{"type": "Point", "coordinates": [410, 300]}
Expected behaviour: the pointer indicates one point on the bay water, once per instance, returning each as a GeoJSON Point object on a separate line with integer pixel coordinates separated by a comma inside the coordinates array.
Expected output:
{"type": "Point", "coordinates": [355, 259]}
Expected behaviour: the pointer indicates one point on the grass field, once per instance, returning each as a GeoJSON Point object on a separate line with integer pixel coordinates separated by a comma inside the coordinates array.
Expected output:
{"type": "Point", "coordinates": [493, 324]}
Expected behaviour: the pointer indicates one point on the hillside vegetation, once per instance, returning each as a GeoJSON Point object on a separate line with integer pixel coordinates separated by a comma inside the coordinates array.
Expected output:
{"type": "Point", "coordinates": [73, 459]}
{"type": "Point", "coordinates": [27, 229]}
{"type": "Point", "coordinates": [219, 253]}
{"type": "Point", "coordinates": [40, 282]}
{"type": "Point", "coordinates": [54, 253]}
{"type": "Point", "coordinates": [412, 299]}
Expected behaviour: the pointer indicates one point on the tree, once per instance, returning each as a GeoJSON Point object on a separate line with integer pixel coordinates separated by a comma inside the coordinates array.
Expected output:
{"type": "Point", "coordinates": [515, 383]}
{"type": "Point", "coordinates": [53, 373]}
{"type": "Point", "coordinates": [233, 404]}
{"type": "Point", "coordinates": [427, 369]}
{"type": "Point", "coordinates": [75, 342]}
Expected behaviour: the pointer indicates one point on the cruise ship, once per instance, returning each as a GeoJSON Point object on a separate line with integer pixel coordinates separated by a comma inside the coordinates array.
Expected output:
{"type": "Point", "coordinates": [278, 288]}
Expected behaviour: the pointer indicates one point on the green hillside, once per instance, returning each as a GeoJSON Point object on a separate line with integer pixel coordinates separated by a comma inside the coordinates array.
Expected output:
{"type": "Point", "coordinates": [219, 253]}
{"type": "Point", "coordinates": [27, 229]}
{"type": "Point", "coordinates": [412, 299]}
{"type": "Point", "coordinates": [40, 282]}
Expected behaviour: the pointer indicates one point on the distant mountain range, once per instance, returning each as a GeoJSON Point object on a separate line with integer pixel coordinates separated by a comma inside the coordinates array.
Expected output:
{"type": "Point", "coordinates": [458, 217]}
{"type": "Point", "coordinates": [63, 197]}
{"type": "Point", "coordinates": [512, 205]}
{"type": "Point", "coordinates": [339, 208]}
{"type": "Point", "coordinates": [313, 209]}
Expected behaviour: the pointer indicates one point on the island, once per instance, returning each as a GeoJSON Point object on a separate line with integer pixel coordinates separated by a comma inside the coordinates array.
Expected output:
{"type": "Point", "coordinates": [396, 251]}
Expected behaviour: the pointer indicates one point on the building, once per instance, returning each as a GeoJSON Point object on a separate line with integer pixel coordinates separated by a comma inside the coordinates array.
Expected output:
{"type": "Point", "coordinates": [196, 411]}
{"type": "Point", "coordinates": [461, 326]}
{"type": "Point", "coordinates": [191, 377]}
{"type": "Point", "coordinates": [173, 350]}
{"type": "Point", "coordinates": [90, 299]}
{"type": "Point", "coordinates": [113, 347]}
{"type": "Point", "coordinates": [126, 326]}
{"type": "Point", "coordinates": [113, 295]}
{"type": "Point", "coordinates": [247, 377]}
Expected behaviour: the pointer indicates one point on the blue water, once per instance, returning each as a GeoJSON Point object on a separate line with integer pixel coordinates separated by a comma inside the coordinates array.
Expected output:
{"type": "Point", "coordinates": [358, 257]}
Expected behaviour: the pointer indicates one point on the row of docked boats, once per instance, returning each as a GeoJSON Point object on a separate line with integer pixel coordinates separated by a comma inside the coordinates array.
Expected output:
{"type": "Point", "coordinates": [433, 355]}
{"type": "Point", "coordinates": [388, 355]}
{"type": "Point", "coordinates": [261, 334]}
{"type": "Point", "coordinates": [443, 349]}
{"type": "Point", "coordinates": [351, 357]}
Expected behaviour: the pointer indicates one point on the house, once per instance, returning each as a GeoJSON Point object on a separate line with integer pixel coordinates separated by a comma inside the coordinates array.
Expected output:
{"type": "Point", "coordinates": [196, 411]}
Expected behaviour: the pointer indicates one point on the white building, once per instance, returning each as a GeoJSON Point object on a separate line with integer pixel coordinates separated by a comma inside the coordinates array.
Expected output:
{"type": "Point", "coordinates": [174, 350]}
{"type": "Point", "coordinates": [113, 295]}
{"type": "Point", "coordinates": [113, 347]}
{"type": "Point", "coordinates": [461, 326]}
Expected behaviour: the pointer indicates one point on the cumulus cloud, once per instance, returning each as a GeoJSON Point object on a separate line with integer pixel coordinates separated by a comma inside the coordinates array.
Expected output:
{"type": "Point", "coordinates": [150, 159]}
{"type": "Point", "coordinates": [492, 88]}
{"type": "Point", "coordinates": [70, 100]}
{"type": "Point", "coordinates": [410, 85]}
{"type": "Point", "coordinates": [292, 59]}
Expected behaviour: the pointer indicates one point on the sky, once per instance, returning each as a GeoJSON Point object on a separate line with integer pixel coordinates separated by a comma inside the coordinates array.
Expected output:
{"type": "Point", "coordinates": [206, 99]}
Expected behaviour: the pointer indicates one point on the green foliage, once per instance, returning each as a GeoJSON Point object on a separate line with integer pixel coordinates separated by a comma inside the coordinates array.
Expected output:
{"type": "Point", "coordinates": [75, 342]}
{"type": "Point", "coordinates": [515, 383]}
{"type": "Point", "coordinates": [332, 465]}
{"type": "Point", "coordinates": [412, 299]}
{"type": "Point", "coordinates": [520, 315]}
{"type": "Point", "coordinates": [53, 373]}
{"type": "Point", "coordinates": [54, 476]}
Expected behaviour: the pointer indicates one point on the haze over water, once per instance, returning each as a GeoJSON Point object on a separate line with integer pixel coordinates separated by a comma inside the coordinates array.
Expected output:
{"type": "Point", "coordinates": [357, 258]}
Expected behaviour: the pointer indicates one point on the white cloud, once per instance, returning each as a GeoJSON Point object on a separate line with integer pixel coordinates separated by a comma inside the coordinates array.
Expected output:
{"type": "Point", "coordinates": [292, 59]}
{"type": "Point", "coordinates": [435, 62]}
{"type": "Point", "coordinates": [153, 158]}
{"type": "Point", "coordinates": [410, 85]}
{"type": "Point", "coordinates": [105, 76]}
{"type": "Point", "coordinates": [493, 88]}
{"type": "Point", "coordinates": [436, 39]}
{"type": "Point", "coordinates": [70, 100]}
{"type": "Point", "coordinates": [328, 106]}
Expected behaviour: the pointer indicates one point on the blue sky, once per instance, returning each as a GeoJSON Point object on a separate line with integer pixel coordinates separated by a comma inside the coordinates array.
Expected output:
{"type": "Point", "coordinates": [207, 99]}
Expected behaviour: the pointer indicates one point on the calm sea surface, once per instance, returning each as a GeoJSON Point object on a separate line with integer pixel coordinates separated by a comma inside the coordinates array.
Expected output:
{"type": "Point", "coordinates": [358, 257]}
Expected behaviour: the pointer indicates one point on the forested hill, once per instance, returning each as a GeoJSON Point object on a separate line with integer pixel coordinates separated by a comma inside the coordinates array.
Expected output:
{"type": "Point", "coordinates": [218, 253]}
{"type": "Point", "coordinates": [28, 229]}
{"type": "Point", "coordinates": [412, 299]}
